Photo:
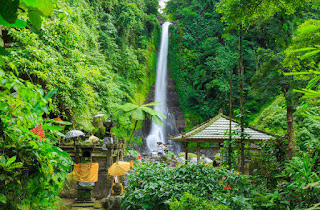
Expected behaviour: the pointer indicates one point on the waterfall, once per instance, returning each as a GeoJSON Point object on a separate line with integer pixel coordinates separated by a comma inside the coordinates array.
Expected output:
{"type": "Point", "coordinates": [158, 133]}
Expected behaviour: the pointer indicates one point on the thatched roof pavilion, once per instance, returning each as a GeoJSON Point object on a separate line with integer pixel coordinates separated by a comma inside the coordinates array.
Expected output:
{"type": "Point", "coordinates": [217, 130]}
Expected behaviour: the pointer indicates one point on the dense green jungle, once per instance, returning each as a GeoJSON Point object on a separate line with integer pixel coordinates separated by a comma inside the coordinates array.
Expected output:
{"type": "Point", "coordinates": [74, 59]}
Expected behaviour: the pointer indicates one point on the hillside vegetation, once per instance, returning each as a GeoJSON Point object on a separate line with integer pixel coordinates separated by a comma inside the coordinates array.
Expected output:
{"type": "Point", "coordinates": [93, 53]}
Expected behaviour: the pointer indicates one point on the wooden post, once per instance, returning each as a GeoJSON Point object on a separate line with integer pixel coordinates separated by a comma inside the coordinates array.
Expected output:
{"type": "Point", "coordinates": [198, 152]}
{"type": "Point", "coordinates": [230, 118]}
{"type": "Point", "coordinates": [186, 150]}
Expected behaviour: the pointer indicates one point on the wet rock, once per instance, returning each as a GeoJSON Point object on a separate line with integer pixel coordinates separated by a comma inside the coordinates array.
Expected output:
{"type": "Point", "coordinates": [112, 202]}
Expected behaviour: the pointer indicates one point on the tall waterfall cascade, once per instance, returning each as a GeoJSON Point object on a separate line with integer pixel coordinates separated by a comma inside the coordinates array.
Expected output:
{"type": "Point", "coordinates": [159, 133]}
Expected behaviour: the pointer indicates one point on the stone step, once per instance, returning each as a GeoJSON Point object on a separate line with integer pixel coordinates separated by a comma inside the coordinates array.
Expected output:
{"type": "Point", "coordinates": [87, 206]}
{"type": "Point", "coordinates": [93, 200]}
{"type": "Point", "coordinates": [98, 205]}
{"type": "Point", "coordinates": [82, 208]}
{"type": "Point", "coordinates": [83, 205]}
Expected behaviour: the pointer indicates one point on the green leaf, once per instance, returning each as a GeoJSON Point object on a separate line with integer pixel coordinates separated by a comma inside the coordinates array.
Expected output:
{"type": "Point", "coordinates": [2, 63]}
{"type": "Point", "coordinates": [54, 128]}
{"type": "Point", "coordinates": [151, 104]}
{"type": "Point", "coordinates": [308, 29]}
{"type": "Point", "coordinates": [313, 82]}
{"type": "Point", "coordinates": [8, 10]}
{"type": "Point", "coordinates": [35, 19]}
{"type": "Point", "coordinates": [3, 106]}
{"type": "Point", "coordinates": [138, 115]}
{"type": "Point", "coordinates": [19, 23]}
{"type": "Point", "coordinates": [2, 161]}
{"type": "Point", "coordinates": [309, 54]}
{"type": "Point", "coordinates": [1, 42]}
{"type": "Point", "coordinates": [44, 7]}
{"type": "Point", "coordinates": [59, 134]}
{"type": "Point", "coordinates": [11, 160]}
{"type": "Point", "coordinates": [50, 94]}
{"type": "Point", "coordinates": [302, 73]}
{"type": "Point", "coordinates": [3, 198]}
{"type": "Point", "coordinates": [58, 122]}
{"type": "Point", "coordinates": [64, 122]}
{"type": "Point", "coordinates": [3, 51]}
{"type": "Point", "coordinates": [16, 165]}
{"type": "Point", "coordinates": [301, 49]}
{"type": "Point", "coordinates": [129, 107]}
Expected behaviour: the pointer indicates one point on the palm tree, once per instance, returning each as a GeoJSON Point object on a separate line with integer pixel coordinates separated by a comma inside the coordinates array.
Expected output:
{"type": "Point", "coordinates": [138, 111]}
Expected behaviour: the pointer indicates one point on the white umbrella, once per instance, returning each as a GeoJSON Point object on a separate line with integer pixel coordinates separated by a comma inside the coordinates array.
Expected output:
{"type": "Point", "coordinates": [74, 133]}
{"type": "Point", "coordinates": [99, 115]}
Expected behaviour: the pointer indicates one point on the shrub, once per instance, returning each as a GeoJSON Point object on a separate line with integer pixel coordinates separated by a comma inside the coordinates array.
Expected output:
{"type": "Point", "coordinates": [153, 184]}
{"type": "Point", "coordinates": [32, 169]}
{"type": "Point", "coordinates": [189, 201]}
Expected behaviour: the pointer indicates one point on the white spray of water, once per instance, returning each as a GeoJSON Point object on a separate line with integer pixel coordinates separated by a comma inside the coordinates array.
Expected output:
{"type": "Point", "coordinates": [158, 133]}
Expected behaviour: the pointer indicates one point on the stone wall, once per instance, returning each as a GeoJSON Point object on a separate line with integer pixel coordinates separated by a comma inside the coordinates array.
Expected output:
{"type": "Point", "coordinates": [105, 159]}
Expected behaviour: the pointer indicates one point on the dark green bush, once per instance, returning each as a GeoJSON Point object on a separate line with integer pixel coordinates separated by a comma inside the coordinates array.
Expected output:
{"type": "Point", "coordinates": [190, 202]}
{"type": "Point", "coordinates": [153, 185]}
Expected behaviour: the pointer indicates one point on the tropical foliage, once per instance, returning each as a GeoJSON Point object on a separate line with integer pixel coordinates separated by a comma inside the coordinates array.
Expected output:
{"type": "Point", "coordinates": [78, 58]}
{"type": "Point", "coordinates": [85, 52]}
{"type": "Point", "coordinates": [277, 46]}
{"type": "Point", "coordinates": [155, 185]}
{"type": "Point", "coordinates": [32, 169]}
{"type": "Point", "coordinates": [71, 59]}
{"type": "Point", "coordinates": [137, 112]}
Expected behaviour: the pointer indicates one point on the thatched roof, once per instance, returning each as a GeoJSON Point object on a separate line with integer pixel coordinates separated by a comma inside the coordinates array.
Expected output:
{"type": "Point", "coordinates": [217, 129]}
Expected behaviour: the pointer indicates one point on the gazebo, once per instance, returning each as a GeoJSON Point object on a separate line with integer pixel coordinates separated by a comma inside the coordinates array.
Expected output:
{"type": "Point", "coordinates": [217, 130]}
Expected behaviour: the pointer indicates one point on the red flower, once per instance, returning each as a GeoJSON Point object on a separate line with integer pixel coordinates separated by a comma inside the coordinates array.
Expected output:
{"type": "Point", "coordinates": [139, 157]}
{"type": "Point", "coordinates": [38, 131]}
{"type": "Point", "coordinates": [227, 187]}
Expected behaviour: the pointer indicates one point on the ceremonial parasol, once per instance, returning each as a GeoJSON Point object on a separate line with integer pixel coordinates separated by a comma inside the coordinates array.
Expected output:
{"type": "Point", "coordinates": [74, 133]}
{"type": "Point", "coordinates": [119, 168]}
{"type": "Point", "coordinates": [99, 115]}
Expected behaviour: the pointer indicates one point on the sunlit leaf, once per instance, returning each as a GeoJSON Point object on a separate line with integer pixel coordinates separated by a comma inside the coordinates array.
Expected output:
{"type": "Point", "coordinates": [50, 94]}
{"type": "Point", "coordinates": [138, 115]}
{"type": "Point", "coordinates": [11, 160]}
{"type": "Point", "coordinates": [128, 107]}
{"type": "Point", "coordinates": [308, 29]}
{"type": "Point", "coordinates": [2, 63]}
{"type": "Point", "coordinates": [301, 49]}
{"type": "Point", "coordinates": [18, 23]}
{"type": "Point", "coordinates": [309, 54]}
{"type": "Point", "coordinates": [45, 7]}
{"type": "Point", "coordinates": [3, 198]}
{"type": "Point", "coordinates": [52, 127]}
{"type": "Point", "coordinates": [35, 19]}
{"type": "Point", "coordinates": [313, 82]}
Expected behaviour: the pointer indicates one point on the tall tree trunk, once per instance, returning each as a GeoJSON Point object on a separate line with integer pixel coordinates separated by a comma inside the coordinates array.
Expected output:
{"type": "Point", "coordinates": [230, 117]}
{"type": "Point", "coordinates": [290, 130]}
{"type": "Point", "coordinates": [241, 71]}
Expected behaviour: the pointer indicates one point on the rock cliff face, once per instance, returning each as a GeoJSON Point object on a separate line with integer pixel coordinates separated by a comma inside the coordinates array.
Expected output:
{"type": "Point", "coordinates": [175, 121]}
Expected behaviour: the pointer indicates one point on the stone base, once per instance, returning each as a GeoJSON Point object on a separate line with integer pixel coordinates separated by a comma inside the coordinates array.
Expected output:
{"type": "Point", "coordinates": [84, 193]}
{"type": "Point", "coordinates": [112, 202]}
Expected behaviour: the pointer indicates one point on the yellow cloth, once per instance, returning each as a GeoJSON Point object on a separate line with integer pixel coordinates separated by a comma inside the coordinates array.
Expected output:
{"type": "Point", "coordinates": [87, 172]}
